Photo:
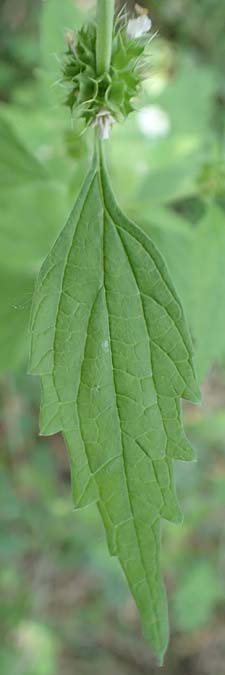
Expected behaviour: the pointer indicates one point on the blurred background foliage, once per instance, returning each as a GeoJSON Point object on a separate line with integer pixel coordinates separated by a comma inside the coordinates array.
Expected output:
{"type": "Point", "coordinates": [65, 607]}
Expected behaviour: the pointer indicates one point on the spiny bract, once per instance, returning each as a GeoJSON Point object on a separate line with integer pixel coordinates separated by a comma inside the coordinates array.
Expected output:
{"type": "Point", "coordinates": [114, 91]}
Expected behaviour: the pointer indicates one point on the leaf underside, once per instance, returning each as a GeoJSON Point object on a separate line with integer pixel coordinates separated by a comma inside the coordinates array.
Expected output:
{"type": "Point", "coordinates": [110, 342]}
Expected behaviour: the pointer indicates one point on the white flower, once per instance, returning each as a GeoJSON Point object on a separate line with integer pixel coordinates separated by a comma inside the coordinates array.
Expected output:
{"type": "Point", "coordinates": [104, 121]}
{"type": "Point", "coordinates": [138, 27]}
{"type": "Point", "coordinates": [153, 121]}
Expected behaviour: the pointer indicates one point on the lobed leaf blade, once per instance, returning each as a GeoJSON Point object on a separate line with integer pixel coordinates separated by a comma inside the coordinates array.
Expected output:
{"type": "Point", "coordinates": [110, 342]}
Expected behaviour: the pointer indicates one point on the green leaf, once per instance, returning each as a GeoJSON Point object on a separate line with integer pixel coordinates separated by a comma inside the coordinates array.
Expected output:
{"type": "Point", "coordinates": [175, 239]}
{"type": "Point", "coordinates": [57, 18]}
{"type": "Point", "coordinates": [30, 221]}
{"type": "Point", "coordinates": [178, 179]}
{"type": "Point", "coordinates": [167, 168]}
{"type": "Point", "coordinates": [110, 342]}
{"type": "Point", "coordinates": [175, 97]}
{"type": "Point", "coordinates": [32, 207]}
{"type": "Point", "coordinates": [209, 289]}
{"type": "Point", "coordinates": [195, 257]}
{"type": "Point", "coordinates": [16, 291]}
{"type": "Point", "coordinates": [17, 165]}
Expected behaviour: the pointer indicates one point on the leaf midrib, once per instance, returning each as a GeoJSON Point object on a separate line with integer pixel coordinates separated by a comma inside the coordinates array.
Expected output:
{"type": "Point", "coordinates": [158, 621]}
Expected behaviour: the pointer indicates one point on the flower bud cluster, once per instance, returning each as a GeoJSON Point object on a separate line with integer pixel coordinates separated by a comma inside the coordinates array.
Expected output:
{"type": "Point", "coordinates": [102, 99]}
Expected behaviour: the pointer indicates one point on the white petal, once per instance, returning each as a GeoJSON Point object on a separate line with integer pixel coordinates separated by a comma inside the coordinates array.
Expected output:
{"type": "Point", "coordinates": [137, 27]}
{"type": "Point", "coordinates": [104, 129]}
{"type": "Point", "coordinates": [104, 121]}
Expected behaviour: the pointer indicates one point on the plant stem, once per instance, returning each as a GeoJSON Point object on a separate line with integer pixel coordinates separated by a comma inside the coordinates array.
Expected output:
{"type": "Point", "coordinates": [105, 14]}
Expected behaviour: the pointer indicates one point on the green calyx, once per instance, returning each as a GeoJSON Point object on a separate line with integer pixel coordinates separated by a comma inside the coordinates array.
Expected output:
{"type": "Point", "coordinates": [113, 92]}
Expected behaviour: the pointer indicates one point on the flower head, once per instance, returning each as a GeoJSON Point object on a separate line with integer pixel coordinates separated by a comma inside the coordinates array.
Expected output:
{"type": "Point", "coordinates": [138, 27]}
{"type": "Point", "coordinates": [101, 101]}
{"type": "Point", "coordinates": [104, 121]}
